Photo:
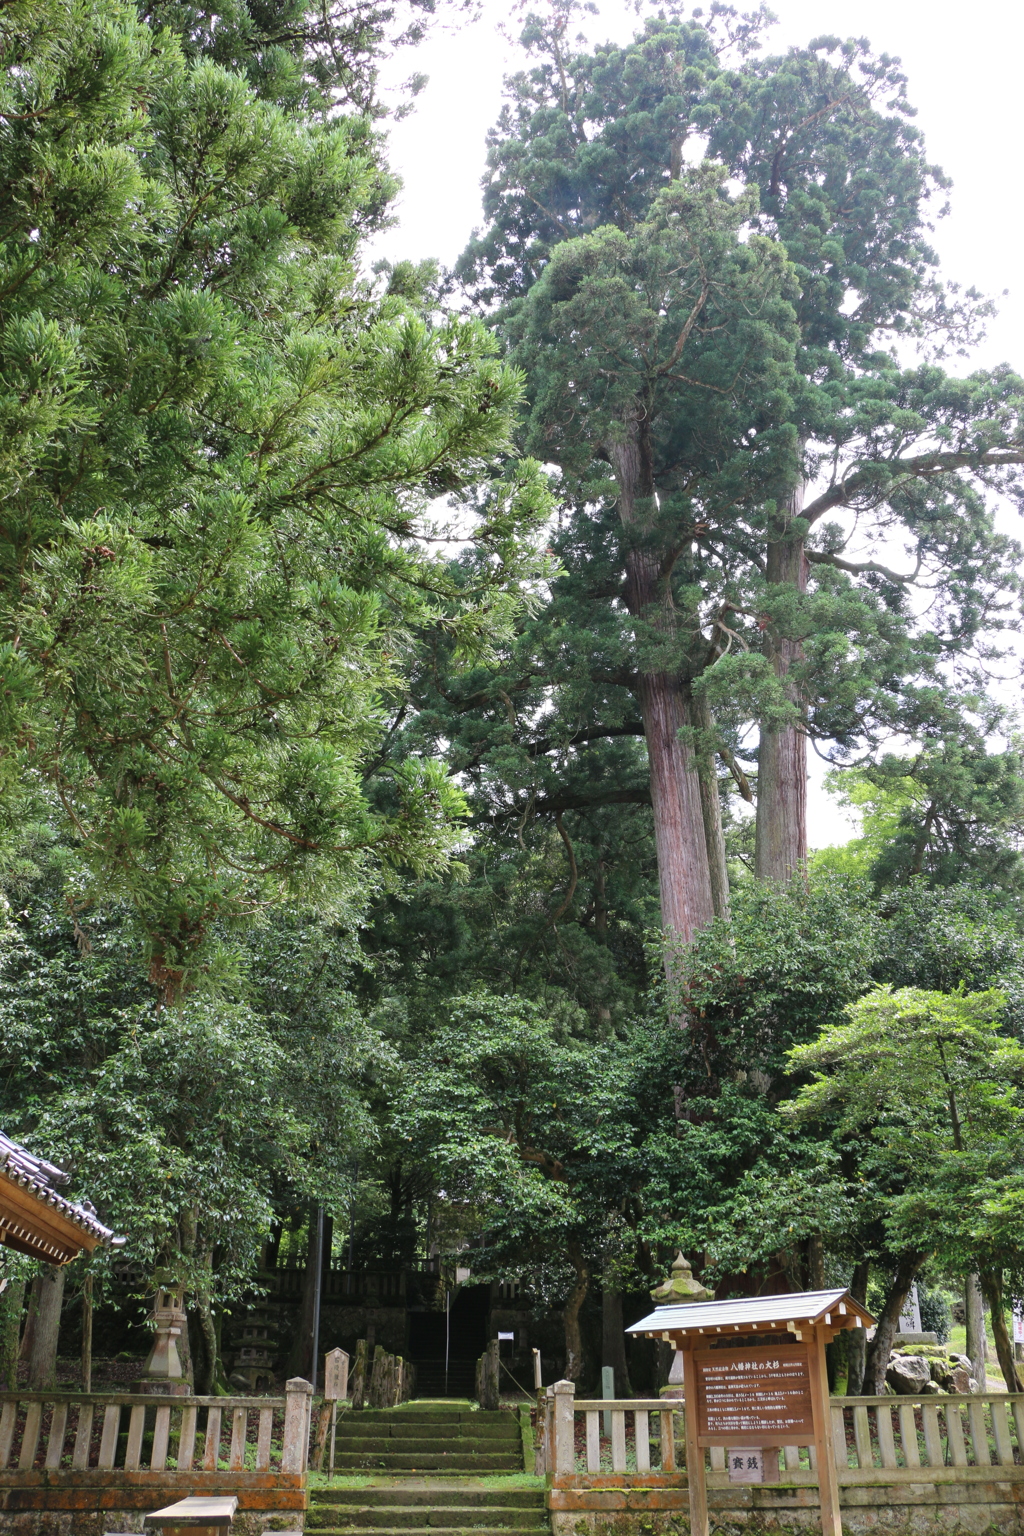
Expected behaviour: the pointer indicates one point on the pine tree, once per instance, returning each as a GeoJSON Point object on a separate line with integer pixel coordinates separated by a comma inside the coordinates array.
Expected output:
{"type": "Point", "coordinates": [220, 455]}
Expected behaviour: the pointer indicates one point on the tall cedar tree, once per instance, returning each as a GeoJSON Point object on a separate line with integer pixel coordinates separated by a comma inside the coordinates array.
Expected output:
{"type": "Point", "coordinates": [220, 450]}
{"type": "Point", "coordinates": [772, 617]}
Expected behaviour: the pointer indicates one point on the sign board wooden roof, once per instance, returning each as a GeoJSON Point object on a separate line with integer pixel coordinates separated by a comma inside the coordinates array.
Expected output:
{"type": "Point", "coordinates": [756, 1314]}
{"type": "Point", "coordinates": [36, 1219]}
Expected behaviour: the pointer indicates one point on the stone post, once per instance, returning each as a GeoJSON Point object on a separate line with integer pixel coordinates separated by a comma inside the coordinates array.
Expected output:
{"type": "Point", "coordinates": [565, 1448]}
{"type": "Point", "coordinates": [298, 1405]}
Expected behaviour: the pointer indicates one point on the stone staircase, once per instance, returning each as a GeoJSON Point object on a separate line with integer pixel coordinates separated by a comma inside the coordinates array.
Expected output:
{"type": "Point", "coordinates": [423, 1437]}
{"type": "Point", "coordinates": [430, 1467]}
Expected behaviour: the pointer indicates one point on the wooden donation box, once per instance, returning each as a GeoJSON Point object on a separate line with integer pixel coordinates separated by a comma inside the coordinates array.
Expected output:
{"type": "Point", "coordinates": [755, 1378]}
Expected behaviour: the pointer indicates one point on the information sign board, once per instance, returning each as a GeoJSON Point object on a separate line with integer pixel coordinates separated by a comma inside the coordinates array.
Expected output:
{"type": "Point", "coordinates": [761, 1392]}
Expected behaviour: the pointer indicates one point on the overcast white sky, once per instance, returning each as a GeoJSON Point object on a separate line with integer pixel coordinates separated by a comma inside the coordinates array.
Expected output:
{"type": "Point", "coordinates": [964, 66]}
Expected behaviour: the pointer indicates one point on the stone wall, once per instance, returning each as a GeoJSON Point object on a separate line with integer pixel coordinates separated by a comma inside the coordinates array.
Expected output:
{"type": "Point", "coordinates": [91, 1503]}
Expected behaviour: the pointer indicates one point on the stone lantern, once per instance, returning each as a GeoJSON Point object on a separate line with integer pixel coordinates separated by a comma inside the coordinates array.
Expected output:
{"type": "Point", "coordinates": [679, 1288]}
{"type": "Point", "coordinates": [162, 1371]}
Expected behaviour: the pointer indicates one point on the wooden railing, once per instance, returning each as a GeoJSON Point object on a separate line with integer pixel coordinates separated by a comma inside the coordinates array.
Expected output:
{"type": "Point", "coordinates": [877, 1440]}
{"type": "Point", "coordinates": [54, 1431]}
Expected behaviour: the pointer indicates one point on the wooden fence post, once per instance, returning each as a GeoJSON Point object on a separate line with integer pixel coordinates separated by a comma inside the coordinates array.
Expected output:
{"type": "Point", "coordinates": [298, 1406]}
{"type": "Point", "coordinates": [565, 1444]}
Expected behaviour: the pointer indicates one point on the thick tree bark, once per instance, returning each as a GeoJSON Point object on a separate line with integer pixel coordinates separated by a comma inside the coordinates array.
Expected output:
{"type": "Point", "coordinates": [684, 879]}
{"type": "Point", "coordinates": [885, 1332]}
{"type": "Point", "coordinates": [780, 833]}
{"type": "Point", "coordinates": [857, 1338]}
{"type": "Point", "coordinates": [12, 1305]}
{"type": "Point", "coordinates": [711, 810]}
{"type": "Point", "coordinates": [571, 1313]}
{"type": "Point", "coordinates": [992, 1290]}
{"type": "Point", "coordinates": [613, 1340]}
{"type": "Point", "coordinates": [42, 1363]}
{"type": "Point", "coordinates": [976, 1348]}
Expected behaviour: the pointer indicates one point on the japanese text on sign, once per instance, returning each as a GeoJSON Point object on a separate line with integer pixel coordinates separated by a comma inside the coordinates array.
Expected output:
{"type": "Point", "coordinates": [764, 1391]}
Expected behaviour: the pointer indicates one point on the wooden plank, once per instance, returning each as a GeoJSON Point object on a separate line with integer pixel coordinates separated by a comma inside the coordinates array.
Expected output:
{"type": "Point", "coordinates": [187, 1437]}
{"type": "Point", "coordinates": [239, 1425]}
{"type": "Point", "coordinates": [886, 1443]}
{"type": "Point", "coordinates": [934, 1456]}
{"type": "Point", "coordinates": [263, 1439]}
{"type": "Point", "coordinates": [30, 1440]}
{"type": "Point", "coordinates": [955, 1435]}
{"type": "Point", "coordinates": [8, 1419]}
{"type": "Point", "coordinates": [161, 1438]}
{"type": "Point", "coordinates": [108, 1438]}
{"type": "Point", "coordinates": [83, 1438]}
{"type": "Point", "coordinates": [211, 1449]}
{"type": "Point", "coordinates": [55, 1444]}
{"type": "Point", "coordinates": [908, 1435]}
{"type": "Point", "coordinates": [136, 1426]}
{"type": "Point", "coordinates": [642, 1438]}
{"type": "Point", "coordinates": [593, 1442]}
{"type": "Point", "coordinates": [842, 1456]}
{"type": "Point", "coordinates": [695, 1475]}
{"type": "Point", "coordinates": [862, 1437]}
{"type": "Point", "coordinates": [618, 1440]}
{"type": "Point", "coordinates": [824, 1444]}
{"type": "Point", "coordinates": [668, 1441]}
{"type": "Point", "coordinates": [979, 1433]}
{"type": "Point", "coordinates": [1001, 1435]}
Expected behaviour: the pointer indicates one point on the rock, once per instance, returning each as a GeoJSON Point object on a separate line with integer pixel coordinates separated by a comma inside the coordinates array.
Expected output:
{"type": "Point", "coordinates": [972, 1385]}
{"type": "Point", "coordinates": [910, 1375]}
{"type": "Point", "coordinates": [963, 1361]}
{"type": "Point", "coordinates": [940, 1371]}
{"type": "Point", "coordinates": [929, 1388]}
{"type": "Point", "coordinates": [239, 1381]}
{"type": "Point", "coordinates": [960, 1381]}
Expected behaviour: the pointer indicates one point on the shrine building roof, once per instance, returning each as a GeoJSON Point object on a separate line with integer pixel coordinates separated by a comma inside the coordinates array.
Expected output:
{"type": "Point", "coordinates": [35, 1218]}
{"type": "Point", "coordinates": [753, 1314]}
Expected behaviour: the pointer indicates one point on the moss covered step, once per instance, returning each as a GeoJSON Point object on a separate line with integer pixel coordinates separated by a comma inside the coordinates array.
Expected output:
{"type": "Point", "coordinates": [428, 1461]}
{"type": "Point", "coordinates": [374, 1517]}
{"type": "Point", "coordinates": [479, 1426]}
{"type": "Point", "coordinates": [460, 1495]}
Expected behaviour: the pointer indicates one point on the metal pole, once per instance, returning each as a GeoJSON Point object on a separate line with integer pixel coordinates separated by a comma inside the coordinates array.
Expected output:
{"type": "Point", "coordinates": [447, 1334]}
{"type": "Point", "coordinates": [317, 1284]}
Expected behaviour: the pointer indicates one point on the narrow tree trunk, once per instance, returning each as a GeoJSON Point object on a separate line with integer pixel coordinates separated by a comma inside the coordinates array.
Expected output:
{"type": "Point", "coordinates": [857, 1338]}
{"type": "Point", "coordinates": [711, 809]}
{"type": "Point", "coordinates": [31, 1312]}
{"type": "Point", "coordinates": [87, 1333]}
{"type": "Point", "coordinates": [571, 1313]}
{"type": "Point", "coordinates": [976, 1348]}
{"type": "Point", "coordinates": [885, 1332]}
{"type": "Point", "coordinates": [42, 1364]}
{"type": "Point", "coordinates": [992, 1289]}
{"type": "Point", "coordinates": [302, 1349]}
{"type": "Point", "coordinates": [780, 833]}
{"type": "Point", "coordinates": [206, 1377]}
{"type": "Point", "coordinates": [12, 1305]}
{"type": "Point", "coordinates": [613, 1340]}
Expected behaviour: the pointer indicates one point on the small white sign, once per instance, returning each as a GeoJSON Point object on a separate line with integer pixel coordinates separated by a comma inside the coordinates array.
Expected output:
{"type": "Point", "coordinates": [746, 1464]}
{"type": "Point", "coordinates": [1018, 1322]}
{"type": "Point", "coordinates": [510, 1336]}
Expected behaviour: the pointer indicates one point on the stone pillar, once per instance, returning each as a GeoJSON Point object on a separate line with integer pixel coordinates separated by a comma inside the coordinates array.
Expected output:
{"type": "Point", "coordinates": [298, 1406]}
{"type": "Point", "coordinates": [565, 1449]}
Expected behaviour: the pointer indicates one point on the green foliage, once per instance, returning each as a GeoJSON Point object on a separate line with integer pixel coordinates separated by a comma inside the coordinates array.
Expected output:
{"type": "Point", "coordinates": [222, 448]}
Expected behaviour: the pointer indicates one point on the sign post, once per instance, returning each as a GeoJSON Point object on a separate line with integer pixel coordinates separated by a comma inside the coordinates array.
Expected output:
{"type": "Point", "coordinates": [755, 1379]}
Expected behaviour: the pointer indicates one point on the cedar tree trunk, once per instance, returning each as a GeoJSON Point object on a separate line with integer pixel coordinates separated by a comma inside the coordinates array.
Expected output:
{"type": "Point", "coordinates": [613, 1340]}
{"type": "Point", "coordinates": [780, 840]}
{"type": "Point", "coordinates": [683, 876]}
{"type": "Point", "coordinates": [992, 1289]}
{"type": "Point", "coordinates": [885, 1332]}
{"type": "Point", "coordinates": [711, 810]}
{"type": "Point", "coordinates": [42, 1361]}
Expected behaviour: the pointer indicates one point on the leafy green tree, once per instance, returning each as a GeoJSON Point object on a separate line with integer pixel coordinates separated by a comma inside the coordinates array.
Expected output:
{"type": "Point", "coordinates": [788, 626]}
{"type": "Point", "coordinates": [926, 1088]}
{"type": "Point", "coordinates": [220, 455]}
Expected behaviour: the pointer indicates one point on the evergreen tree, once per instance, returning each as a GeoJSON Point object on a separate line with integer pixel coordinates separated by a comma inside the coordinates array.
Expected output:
{"type": "Point", "coordinates": [220, 455]}
{"type": "Point", "coordinates": [795, 634]}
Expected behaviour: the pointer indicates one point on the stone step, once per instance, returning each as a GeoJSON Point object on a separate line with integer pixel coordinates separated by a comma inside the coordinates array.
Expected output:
{"type": "Point", "coordinates": [427, 1461]}
{"type": "Point", "coordinates": [423, 1530]}
{"type": "Point", "coordinates": [373, 1517]}
{"type": "Point", "coordinates": [451, 1496]}
{"type": "Point", "coordinates": [360, 1425]}
{"type": "Point", "coordinates": [485, 1445]}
